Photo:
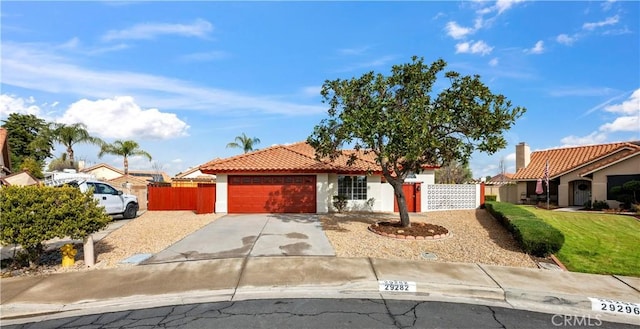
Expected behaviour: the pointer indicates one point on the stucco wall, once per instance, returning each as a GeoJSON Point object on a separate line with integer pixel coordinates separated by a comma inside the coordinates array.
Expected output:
{"type": "Point", "coordinates": [599, 182]}
{"type": "Point", "coordinates": [104, 173]}
{"type": "Point", "coordinates": [221, 193]}
{"type": "Point", "coordinates": [323, 198]}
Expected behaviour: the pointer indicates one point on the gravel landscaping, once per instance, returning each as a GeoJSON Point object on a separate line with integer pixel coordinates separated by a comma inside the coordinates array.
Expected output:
{"type": "Point", "coordinates": [474, 237]}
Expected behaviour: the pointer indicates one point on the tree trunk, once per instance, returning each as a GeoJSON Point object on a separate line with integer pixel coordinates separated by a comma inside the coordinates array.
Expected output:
{"type": "Point", "coordinates": [402, 201]}
{"type": "Point", "coordinates": [126, 165]}
{"type": "Point", "coordinates": [70, 153]}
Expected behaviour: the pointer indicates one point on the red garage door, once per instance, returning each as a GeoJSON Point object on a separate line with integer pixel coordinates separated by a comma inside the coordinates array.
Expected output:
{"type": "Point", "coordinates": [272, 194]}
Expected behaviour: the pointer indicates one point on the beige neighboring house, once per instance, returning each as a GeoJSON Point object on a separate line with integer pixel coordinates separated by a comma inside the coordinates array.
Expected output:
{"type": "Point", "coordinates": [132, 185]}
{"type": "Point", "coordinates": [5, 156]}
{"type": "Point", "coordinates": [577, 174]}
{"type": "Point", "coordinates": [103, 171]}
{"type": "Point", "coordinates": [192, 177]}
{"type": "Point", "coordinates": [22, 178]}
{"type": "Point", "coordinates": [503, 187]}
{"type": "Point", "coordinates": [152, 176]}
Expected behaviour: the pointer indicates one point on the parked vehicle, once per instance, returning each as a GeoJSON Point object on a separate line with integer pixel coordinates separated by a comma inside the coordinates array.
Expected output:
{"type": "Point", "coordinates": [114, 201]}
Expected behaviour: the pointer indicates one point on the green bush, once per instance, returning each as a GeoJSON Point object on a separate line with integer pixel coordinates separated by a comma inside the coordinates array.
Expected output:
{"type": "Point", "coordinates": [340, 202]}
{"type": "Point", "coordinates": [534, 236]}
{"type": "Point", "coordinates": [34, 214]}
{"type": "Point", "coordinates": [490, 198]}
{"type": "Point", "coordinates": [600, 205]}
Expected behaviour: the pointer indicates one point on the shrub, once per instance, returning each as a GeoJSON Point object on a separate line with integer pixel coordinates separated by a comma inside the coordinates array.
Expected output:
{"type": "Point", "coordinates": [534, 235]}
{"type": "Point", "coordinates": [34, 214]}
{"type": "Point", "coordinates": [340, 202]}
{"type": "Point", "coordinates": [600, 205]}
{"type": "Point", "coordinates": [490, 198]}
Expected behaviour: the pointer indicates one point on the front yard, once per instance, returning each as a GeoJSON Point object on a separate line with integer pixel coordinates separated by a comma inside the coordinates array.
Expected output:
{"type": "Point", "coordinates": [596, 242]}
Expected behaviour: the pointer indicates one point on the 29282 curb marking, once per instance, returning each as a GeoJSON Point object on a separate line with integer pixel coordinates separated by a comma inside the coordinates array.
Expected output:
{"type": "Point", "coordinates": [397, 286]}
{"type": "Point", "coordinates": [614, 306]}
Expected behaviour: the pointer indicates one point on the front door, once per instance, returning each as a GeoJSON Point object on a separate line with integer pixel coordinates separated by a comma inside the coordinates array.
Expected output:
{"type": "Point", "coordinates": [581, 192]}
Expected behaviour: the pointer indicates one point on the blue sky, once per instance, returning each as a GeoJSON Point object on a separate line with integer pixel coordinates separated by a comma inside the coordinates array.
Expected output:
{"type": "Point", "coordinates": [184, 78]}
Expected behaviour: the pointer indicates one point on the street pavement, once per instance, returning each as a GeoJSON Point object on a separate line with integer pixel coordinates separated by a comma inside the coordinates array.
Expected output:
{"type": "Point", "coordinates": [232, 263]}
{"type": "Point", "coordinates": [324, 313]}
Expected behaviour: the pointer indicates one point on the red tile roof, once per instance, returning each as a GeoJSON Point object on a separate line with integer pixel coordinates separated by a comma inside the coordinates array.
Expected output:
{"type": "Point", "coordinates": [295, 158]}
{"type": "Point", "coordinates": [563, 160]}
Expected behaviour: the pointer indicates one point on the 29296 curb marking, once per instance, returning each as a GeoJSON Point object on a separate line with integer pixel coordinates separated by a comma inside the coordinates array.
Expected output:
{"type": "Point", "coordinates": [614, 306]}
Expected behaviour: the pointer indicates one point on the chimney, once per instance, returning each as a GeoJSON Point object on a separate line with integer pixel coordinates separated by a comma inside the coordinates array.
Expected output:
{"type": "Point", "coordinates": [523, 155]}
{"type": "Point", "coordinates": [81, 165]}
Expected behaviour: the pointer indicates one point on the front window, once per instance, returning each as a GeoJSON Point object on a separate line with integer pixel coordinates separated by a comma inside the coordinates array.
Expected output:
{"type": "Point", "coordinates": [615, 188]}
{"type": "Point", "coordinates": [353, 187]}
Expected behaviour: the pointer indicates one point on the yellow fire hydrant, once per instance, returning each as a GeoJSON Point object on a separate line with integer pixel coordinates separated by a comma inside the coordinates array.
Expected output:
{"type": "Point", "coordinates": [68, 255]}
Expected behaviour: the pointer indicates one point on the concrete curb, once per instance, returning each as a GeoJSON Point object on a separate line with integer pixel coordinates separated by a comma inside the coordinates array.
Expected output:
{"type": "Point", "coordinates": [551, 292]}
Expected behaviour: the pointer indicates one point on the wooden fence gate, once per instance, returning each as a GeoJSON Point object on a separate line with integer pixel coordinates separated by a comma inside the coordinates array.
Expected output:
{"type": "Point", "coordinates": [200, 199]}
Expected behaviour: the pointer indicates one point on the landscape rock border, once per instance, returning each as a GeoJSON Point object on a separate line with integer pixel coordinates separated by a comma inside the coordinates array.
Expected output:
{"type": "Point", "coordinates": [409, 237]}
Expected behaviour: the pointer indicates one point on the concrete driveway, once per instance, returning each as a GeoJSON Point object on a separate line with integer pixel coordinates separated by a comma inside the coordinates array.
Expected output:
{"type": "Point", "coordinates": [252, 235]}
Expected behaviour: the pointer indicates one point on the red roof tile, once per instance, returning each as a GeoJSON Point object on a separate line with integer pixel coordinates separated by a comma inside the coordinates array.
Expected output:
{"type": "Point", "coordinates": [564, 160]}
{"type": "Point", "coordinates": [298, 157]}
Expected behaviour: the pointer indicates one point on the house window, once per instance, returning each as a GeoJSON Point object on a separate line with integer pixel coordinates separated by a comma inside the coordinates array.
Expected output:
{"type": "Point", "coordinates": [353, 187]}
{"type": "Point", "coordinates": [619, 180]}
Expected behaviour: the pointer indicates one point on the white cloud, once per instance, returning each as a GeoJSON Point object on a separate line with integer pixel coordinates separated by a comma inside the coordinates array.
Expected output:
{"type": "Point", "coordinates": [628, 119]}
{"type": "Point", "coordinates": [630, 115]}
{"type": "Point", "coordinates": [199, 28]}
{"type": "Point", "coordinates": [625, 123]}
{"type": "Point", "coordinates": [12, 104]}
{"type": "Point", "coordinates": [479, 47]}
{"type": "Point", "coordinates": [593, 138]}
{"type": "Point", "coordinates": [34, 67]}
{"type": "Point", "coordinates": [538, 48]}
{"type": "Point", "coordinates": [566, 39]}
{"type": "Point", "coordinates": [608, 21]}
{"type": "Point", "coordinates": [311, 91]}
{"type": "Point", "coordinates": [177, 160]}
{"type": "Point", "coordinates": [504, 5]}
{"type": "Point", "coordinates": [354, 51]}
{"type": "Point", "coordinates": [456, 31]}
{"type": "Point", "coordinates": [494, 62]}
{"type": "Point", "coordinates": [204, 56]}
{"type": "Point", "coordinates": [582, 92]}
{"type": "Point", "coordinates": [122, 118]}
{"type": "Point", "coordinates": [381, 61]}
{"type": "Point", "coordinates": [630, 106]}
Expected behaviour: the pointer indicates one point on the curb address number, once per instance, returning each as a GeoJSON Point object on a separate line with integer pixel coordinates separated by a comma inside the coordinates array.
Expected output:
{"type": "Point", "coordinates": [394, 285]}
{"type": "Point", "coordinates": [614, 306]}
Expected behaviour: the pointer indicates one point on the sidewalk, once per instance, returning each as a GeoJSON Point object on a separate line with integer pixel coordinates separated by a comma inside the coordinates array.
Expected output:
{"type": "Point", "coordinates": [28, 299]}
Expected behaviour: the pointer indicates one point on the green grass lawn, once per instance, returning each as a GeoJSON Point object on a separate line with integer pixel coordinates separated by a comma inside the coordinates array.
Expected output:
{"type": "Point", "coordinates": [596, 242]}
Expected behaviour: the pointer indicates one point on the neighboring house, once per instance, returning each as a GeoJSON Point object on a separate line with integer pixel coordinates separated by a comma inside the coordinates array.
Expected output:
{"type": "Point", "coordinates": [192, 177]}
{"type": "Point", "coordinates": [5, 156]}
{"type": "Point", "coordinates": [152, 176]}
{"type": "Point", "coordinates": [288, 178]}
{"type": "Point", "coordinates": [132, 185]}
{"type": "Point", "coordinates": [103, 171]}
{"type": "Point", "coordinates": [503, 187]}
{"type": "Point", "coordinates": [22, 178]}
{"type": "Point", "coordinates": [577, 174]}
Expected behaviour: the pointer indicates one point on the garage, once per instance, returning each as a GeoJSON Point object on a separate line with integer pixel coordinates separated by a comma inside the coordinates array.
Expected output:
{"type": "Point", "coordinates": [272, 194]}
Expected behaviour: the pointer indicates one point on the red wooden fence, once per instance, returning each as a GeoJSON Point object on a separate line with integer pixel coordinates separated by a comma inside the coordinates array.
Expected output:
{"type": "Point", "coordinates": [200, 199]}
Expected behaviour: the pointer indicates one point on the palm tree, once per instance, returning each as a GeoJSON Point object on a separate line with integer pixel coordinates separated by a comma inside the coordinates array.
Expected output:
{"type": "Point", "coordinates": [244, 142]}
{"type": "Point", "coordinates": [125, 149]}
{"type": "Point", "coordinates": [69, 135]}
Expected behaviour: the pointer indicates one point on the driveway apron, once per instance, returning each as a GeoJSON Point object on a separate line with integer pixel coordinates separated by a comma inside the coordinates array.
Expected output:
{"type": "Point", "coordinates": [252, 235]}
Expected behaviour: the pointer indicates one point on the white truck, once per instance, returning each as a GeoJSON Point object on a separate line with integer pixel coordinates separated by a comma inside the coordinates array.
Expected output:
{"type": "Point", "coordinates": [114, 201]}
